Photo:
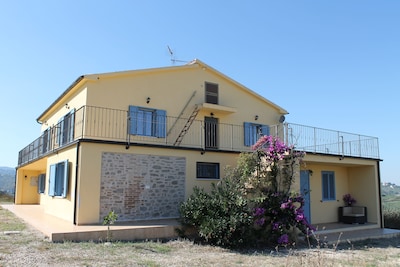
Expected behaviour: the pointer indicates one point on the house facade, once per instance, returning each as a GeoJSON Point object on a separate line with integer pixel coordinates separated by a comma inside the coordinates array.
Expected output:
{"type": "Point", "coordinates": [137, 142]}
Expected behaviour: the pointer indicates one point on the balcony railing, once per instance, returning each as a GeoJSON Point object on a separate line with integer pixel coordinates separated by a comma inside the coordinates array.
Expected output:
{"type": "Point", "coordinates": [318, 140]}
{"type": "Point", "coordinates": [112, 125]}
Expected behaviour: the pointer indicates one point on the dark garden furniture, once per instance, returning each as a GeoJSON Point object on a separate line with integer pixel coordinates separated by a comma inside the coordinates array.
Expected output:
{"type": "Point", "coordinates": [353, 214]}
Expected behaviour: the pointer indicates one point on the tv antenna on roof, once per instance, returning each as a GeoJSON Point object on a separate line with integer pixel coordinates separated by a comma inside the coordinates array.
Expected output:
{"type": "Point", "coordinates": [173, 60]}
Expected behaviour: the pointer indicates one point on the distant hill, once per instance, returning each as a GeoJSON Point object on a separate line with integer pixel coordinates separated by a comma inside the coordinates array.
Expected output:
{"type": "Point", "coordinates": [7, 180]}
{"type": "Point", "coordinates": [390, 189]}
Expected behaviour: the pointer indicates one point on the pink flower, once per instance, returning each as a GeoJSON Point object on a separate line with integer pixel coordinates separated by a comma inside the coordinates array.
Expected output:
{"type": "Point", "coordinates": [283, 239]}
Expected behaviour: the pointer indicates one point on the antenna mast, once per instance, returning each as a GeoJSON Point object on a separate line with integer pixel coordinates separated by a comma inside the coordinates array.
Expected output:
{"type": "Point", "coordinates": [173, 60]}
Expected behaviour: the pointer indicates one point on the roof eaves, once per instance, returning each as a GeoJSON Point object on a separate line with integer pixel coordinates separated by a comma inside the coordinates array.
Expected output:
{"type": "Point", "coordinates": [78, 80]}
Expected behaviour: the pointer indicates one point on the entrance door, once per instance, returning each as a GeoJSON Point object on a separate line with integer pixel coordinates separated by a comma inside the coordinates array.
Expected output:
{"type": "Point", "coordinates": [305, 191]}
{"type": "Point", "coordinates": [211, 132]}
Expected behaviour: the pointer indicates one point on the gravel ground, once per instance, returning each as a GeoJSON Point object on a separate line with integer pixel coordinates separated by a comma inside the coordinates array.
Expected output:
{"type": "Point", "coordinates": [27, 247]}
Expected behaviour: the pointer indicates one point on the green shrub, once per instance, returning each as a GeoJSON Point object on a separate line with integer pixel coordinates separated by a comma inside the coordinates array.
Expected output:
{"type": "Point", "coordinates": [220, 217]}
{"type": "Point", "coordinates": [391, 218]}
{"type": "Point", "coordinates": [253, 203]}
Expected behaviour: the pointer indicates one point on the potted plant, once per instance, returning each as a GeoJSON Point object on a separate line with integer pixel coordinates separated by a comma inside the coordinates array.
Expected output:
{"type": "Point", "coordinates": [349, 200]}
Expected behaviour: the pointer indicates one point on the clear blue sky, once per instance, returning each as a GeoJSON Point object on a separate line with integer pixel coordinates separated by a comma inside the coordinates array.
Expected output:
{"type": "Point", "coordinates": [331, 64]}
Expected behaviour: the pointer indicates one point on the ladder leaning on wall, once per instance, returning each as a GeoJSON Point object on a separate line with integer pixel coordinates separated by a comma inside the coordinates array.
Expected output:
{"type": "Point", "coordinates": [187, 125]}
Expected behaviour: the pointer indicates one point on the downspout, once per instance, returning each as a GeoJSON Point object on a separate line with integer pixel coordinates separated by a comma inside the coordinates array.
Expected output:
{"type": "Point", "coordinates": [380, 194]}
{"type": "Point", "coordinates": [76, 181]}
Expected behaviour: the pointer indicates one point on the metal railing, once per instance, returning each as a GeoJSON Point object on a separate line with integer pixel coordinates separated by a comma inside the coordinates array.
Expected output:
{"type": "Point", "coordinates": [113, 125]}
{"type": "Point", "coordinates": [318, 140]}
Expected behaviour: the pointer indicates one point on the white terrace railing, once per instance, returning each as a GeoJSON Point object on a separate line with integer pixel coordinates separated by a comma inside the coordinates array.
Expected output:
{"type": "Point", "coordinates": [318, 140]}
{"type": "Point", "coordinates": [112, 125]}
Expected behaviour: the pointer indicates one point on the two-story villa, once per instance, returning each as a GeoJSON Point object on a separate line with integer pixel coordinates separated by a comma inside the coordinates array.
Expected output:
{"type": "Point", "coordinates": [137, 142]}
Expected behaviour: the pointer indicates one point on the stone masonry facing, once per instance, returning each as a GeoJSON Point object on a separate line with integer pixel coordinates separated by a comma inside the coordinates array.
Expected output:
{"type": "Point", "coordinates": [141, 187]}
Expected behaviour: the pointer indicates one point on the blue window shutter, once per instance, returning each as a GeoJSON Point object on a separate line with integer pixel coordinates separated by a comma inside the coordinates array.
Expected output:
{"type": "Point", "coordinates": [52, 180]}
{"type": "Point", "coordinates": [247, 134]}
{"type": "Point", "coordinates": [325, 191]}
{"type": "Point", "coordinates": [146, 122]}
{"type": "Point", "coordinates": [133, 114]}
{"type": "Point", "coordinates": [265, 129]}
{"type": "Point", "coordinates": [65, 176]}
{"type": "Point", "coordinates": [328, 186]}
{"type": "Point", "coordinates": [161, 116]}
{"type": "Point", "coordinates": [41, 183]}
{"type": "Point", "coordinates": [71, 126]}
{"type": "Point", "coordinates": [60, 131]}
{"type": "Point", "coordinates": [59, 179]}
{"type": "Point", "coordinates": [332, 193]}
{"type": "Point", "coordinates": [46, 137]}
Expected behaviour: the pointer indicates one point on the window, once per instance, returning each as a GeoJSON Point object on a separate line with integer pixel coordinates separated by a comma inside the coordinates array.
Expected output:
{"type": "Point", "coordinates": [207, 170]}
{"type": "Point", "coordinates": [253, 132]}
{"type": "Point", "coordinates": [147, 122]}
{"type": "Point", "coordinates": [65, 128]}
{"type": "Point", "coordinates": [46, 140]}
{"type": "Point", "coordinates": [58, 179]}
{"type": "Point", "coordinates": [41, 183]}
{"type": "Point", "coordinates": [328, 186]}
{"type": "Point", "coordinates": [211, 93]}
{"type": "Point", "coordinates": [211, 132]}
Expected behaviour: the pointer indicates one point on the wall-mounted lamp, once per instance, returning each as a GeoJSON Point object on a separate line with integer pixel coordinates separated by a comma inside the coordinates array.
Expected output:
{"type": "Point", "coordinates": [202, 152]}
{"type": "Point", "coordinates": [148, 100]}
{"type": "Point", "coordinates": [256, 117]}
{"type": "Point", "coordinates": [67, 106]}
{"type": "Point", "coordinates": [212, 114]}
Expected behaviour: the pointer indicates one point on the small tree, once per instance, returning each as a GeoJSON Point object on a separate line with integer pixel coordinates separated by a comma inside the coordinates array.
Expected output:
{"type": "Point", "coordinates": [108, 220]}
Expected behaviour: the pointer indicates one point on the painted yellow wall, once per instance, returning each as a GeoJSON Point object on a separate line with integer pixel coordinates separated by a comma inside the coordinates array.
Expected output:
{"type": "Point", "coordinates": [57, 206]}
{"type": "Point", "coordinates": [27, 185]}
{"type": "Point", "coordinates": [75, 101]}
{"type": "Point", "coordinates": [25, 191]}
{"type": "Point", "coordinates": [326, 211]}
{"type": "Point", "coordinates": [364, 188]}
{"type": "Point", "coordinates": [171, 89]}
{"type": "Point", "coordinates": [89, 175]}
{"type": "Point", "coordinates": [354, 176]}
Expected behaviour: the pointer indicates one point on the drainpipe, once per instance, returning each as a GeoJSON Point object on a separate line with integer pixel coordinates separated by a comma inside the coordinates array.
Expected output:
{"type": "Point", "coordinates": [380, 195]}
{"type": "Point", "coordinates": [76, 180]}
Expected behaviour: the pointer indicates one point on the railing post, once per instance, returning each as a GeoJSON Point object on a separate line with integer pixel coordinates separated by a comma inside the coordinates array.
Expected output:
{"type": "Point", "coordinates": [232, 136]}
{"type": "Point", "coordinates": [83, 120]}
{"type": "Point", "coordinates": [315, 140]}
{"type": "Point", "coordinates": [342, 145]}
{"type": "Point", "coordinates": [201, 135]}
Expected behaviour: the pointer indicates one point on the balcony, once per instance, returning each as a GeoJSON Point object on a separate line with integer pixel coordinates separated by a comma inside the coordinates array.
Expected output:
{"type": "Point", "coordinates": [318, 140]}
{"type": "Point", "coordinates": [112, 125]}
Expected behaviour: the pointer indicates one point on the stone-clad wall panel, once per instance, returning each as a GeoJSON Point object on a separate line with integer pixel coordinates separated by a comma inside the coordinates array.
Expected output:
{"type": "Point", "coordinates": [141, 187]}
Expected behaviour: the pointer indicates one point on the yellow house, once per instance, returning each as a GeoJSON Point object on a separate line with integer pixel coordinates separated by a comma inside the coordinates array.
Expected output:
{"type": "Point", "coordinates": [137, 142]}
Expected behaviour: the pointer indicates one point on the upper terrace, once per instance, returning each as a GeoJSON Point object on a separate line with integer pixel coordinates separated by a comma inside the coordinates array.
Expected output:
{"type": "Point", "coordinates": [103, 124]}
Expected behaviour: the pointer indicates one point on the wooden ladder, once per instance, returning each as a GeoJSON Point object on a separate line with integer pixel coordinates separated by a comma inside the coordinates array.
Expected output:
{"type": "Point", "coordinates": [187, 125]}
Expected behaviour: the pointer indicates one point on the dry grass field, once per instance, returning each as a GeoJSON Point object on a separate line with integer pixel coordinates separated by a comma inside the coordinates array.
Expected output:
{"type": "Point", "coordinates": [21, 245]}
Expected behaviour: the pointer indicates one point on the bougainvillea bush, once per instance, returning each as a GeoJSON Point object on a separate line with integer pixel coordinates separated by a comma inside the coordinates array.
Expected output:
{"type": "Point", "coordinates": [277, 211]}
{"type": "Point", "coordinates": [254, 204]}
{"type": "Point", "coordinates": [277, 217]}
